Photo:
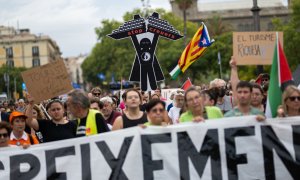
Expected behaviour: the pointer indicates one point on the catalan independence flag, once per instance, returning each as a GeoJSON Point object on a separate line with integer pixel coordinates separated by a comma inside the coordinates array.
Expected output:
{"type": "Point", "coordinates": [196, 47]}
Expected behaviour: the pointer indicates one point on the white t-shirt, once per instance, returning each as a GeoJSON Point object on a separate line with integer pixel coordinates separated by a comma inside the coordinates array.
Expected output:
{"type": "Point", "coordinates": [174, 114]}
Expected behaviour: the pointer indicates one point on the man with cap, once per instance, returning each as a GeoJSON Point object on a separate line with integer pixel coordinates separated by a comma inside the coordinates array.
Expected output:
{"type": "Point", "coordinates": [18, 136]}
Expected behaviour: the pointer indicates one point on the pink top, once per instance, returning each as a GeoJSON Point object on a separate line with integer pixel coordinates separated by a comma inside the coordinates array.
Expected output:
{"type": "Point", "coordinates": [122, 105]}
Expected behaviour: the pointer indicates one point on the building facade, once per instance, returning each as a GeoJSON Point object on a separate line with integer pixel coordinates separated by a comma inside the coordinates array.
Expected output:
{"type": "Point", "coordinates": [236, 13]}
{"type": "Point", "coordinates": [73, 65]}
{"type": "Point", "coordinates": [20, 48]}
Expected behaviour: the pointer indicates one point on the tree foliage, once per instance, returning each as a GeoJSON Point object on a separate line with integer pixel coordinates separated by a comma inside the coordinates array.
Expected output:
{"type": "Point", "coordinates": [13, 73]}
{"type": "Point", "coordinates": [291, 33]}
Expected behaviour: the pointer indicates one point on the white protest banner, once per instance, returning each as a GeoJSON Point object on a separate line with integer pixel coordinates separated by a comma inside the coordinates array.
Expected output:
{"type": "Point", "coordinates": [229, 148]}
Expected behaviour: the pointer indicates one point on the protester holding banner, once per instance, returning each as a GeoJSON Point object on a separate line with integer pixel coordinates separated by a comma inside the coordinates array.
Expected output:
{"type": "Point", "coordinates": [58, 128]}
{"type": "Point", "coordinates": [178, 103]}
{"type": "Point", "coordinates": [290, 102]}
{"type": "Point", "coordinates": [90, 121]}
{"type": "Point", "coordinates": [155, 112]}
{"type": "Point", "coordinates": [243, 97]}
{"type": "Point", "coordinates": [18, 136]}
{"type": "Point", "coordinates": [257, 95]}
{"type": "Point", "coordinates": [195, 108]}
{"type": "Point", "coordinates": [5, 131]}
{"type": "Point", "coordinates": [133, 116]}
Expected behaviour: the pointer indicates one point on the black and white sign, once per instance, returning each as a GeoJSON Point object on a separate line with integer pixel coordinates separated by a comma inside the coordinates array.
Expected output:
{"type": "Point", "coordinates": [145, 34]}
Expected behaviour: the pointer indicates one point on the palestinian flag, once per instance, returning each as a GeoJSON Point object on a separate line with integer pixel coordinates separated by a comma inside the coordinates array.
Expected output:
{"type": "Point", "coordinates": [187, 84]}
{"type": "Point", "coordinates": [280, 78]}
{"type": "Point", "coordinates": [193, 51]}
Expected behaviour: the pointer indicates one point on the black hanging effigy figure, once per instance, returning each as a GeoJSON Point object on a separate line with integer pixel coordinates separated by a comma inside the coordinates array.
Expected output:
{"type": "Point", "coordinates": [144, 35]}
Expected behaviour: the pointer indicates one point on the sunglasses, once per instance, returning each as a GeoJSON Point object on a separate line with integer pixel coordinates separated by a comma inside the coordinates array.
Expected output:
{"type": "Point", "coordinates": [157, 110]}
{"type": "Point", "coordinates": [5, 135]}
{"type": "Point", "coordinates": [96, 94]}
{"type": "Point", "coordinates": [264, 80]}
{"type": "Point", "coordinates": [293, 98]}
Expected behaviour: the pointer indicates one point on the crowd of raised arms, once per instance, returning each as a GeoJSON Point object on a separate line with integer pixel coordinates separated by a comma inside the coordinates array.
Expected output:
{"type": "Point", "coordinates": [83, 114]}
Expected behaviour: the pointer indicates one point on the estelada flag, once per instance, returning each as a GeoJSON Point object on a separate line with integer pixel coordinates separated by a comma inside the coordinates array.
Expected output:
{"type": "Point", "coordinates": [280, 78]}
{"type": "Point", "coordinates": [196, 47]}
{"type": "Point", "coordinates": [187, 84]}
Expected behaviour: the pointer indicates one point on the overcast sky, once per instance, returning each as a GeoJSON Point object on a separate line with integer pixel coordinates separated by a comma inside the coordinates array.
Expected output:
{"type": "Point", "coordinates": [70, 23]}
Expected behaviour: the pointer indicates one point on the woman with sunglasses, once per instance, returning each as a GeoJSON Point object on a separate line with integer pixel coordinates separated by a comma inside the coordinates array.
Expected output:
{"type": "Point", "coordinates": [133, 116]}
{"type": "Point", "coordinates": [290, 102]}
{"type": "Point", "coordinates": [4, 134]}
{"type": "Point", "coordinates": [58, 128]}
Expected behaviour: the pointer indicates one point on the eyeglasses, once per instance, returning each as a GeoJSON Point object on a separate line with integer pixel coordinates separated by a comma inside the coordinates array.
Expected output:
{"type": "Point", "coordinates": [96, 94]}
{"type": "Point", "coordinates": [196, 98]}
{"type": "Point", "coordinates": [157, 110]}
{"type": "Point", "coordinates": [5, 135]}
{"type": "Point", "coordinates": [293, 98]}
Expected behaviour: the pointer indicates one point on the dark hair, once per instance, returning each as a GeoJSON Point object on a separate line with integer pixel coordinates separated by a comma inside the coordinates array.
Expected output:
{"type": "Point", "coordinates": [213, 94]}
{"type": "Point", "coordinates": [153, 103]}
{"type": "Point", "coordinates": [97, 100]}
{"type": "Point", "coordinates": [244, 84]}
{"type": "Point", "coordinates": [5, 125]}
{"type": "Point", "coordinates": [126, 92]}
{"type": "Point", "coordinates": [79, 97]}
{"type": "Point", "coordinates": [265, 87]}
{"type": "Point", "coordinates": [266, 76]}
{"type": "Point", "coordinates": [257, 86]}
{"type": "Point", "coordinates": [123, 96]}
{"type": "Point", "coordinates": [159, 89]}
{"type": "Point", "coordinates": [115, 100]}
{"type": "Point", "coordinates": [54, 101]}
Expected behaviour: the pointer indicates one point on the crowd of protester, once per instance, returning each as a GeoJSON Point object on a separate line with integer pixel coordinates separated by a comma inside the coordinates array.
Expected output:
{"type": "Point", "coordinates": [83, 114]}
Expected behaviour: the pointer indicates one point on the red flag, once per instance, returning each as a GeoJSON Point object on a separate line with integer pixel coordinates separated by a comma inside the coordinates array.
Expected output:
{"type": "Point", "coordinates": [258, 79]}
{"type": "Point", "coordinates": [187, 84]}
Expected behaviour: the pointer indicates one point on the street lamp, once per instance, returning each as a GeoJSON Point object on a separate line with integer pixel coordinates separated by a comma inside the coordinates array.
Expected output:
{"type": "Point", "coordinates": [255, 10]}
{"type": "Point", "coordinates": [9, 63]}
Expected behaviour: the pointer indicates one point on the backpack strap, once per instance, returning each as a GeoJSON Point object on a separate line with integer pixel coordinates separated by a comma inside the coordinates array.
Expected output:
{"type": "Point", "coordinates": [31, 139]}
